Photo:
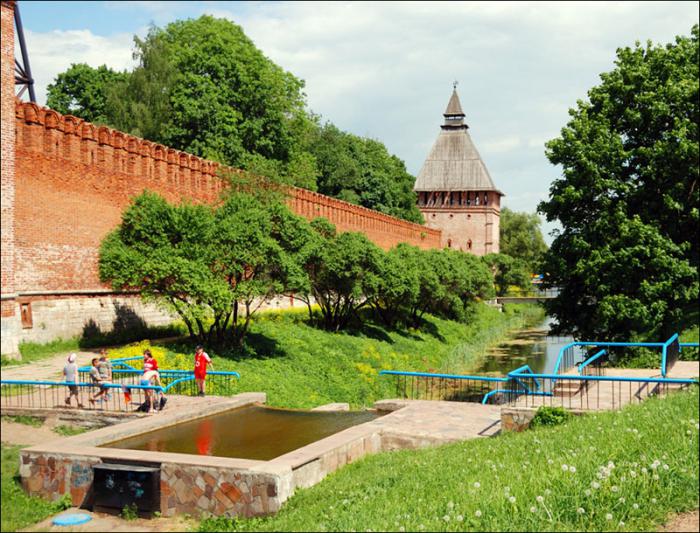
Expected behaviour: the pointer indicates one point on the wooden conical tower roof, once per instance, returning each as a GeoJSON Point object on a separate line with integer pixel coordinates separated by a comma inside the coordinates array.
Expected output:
{"type": "Point", "coordinates": [454, 164]}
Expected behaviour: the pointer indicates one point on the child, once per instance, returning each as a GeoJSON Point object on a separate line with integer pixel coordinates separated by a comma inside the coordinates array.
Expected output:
{"type": "Point", "coordinates": [70, 371]}
{"type": "Point", "coordinates": [201, 360]}
{"type": "Point", "coordinates": [104, 367]}
{"type": "Point", "coordinates": [96, 380]}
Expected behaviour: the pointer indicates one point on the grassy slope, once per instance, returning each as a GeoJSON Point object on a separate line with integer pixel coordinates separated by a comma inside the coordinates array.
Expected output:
{"type": "Point", "coordinates": [301, 366]}
{"type": "Point", "coordinates": [18, 509]}
{"type": "Point", "coordinates": [435, 489]}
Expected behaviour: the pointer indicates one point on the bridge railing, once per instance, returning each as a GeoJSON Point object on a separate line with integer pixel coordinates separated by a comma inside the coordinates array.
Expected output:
{"type": "Point", "coordinates": [31, 394]}
{"type": "Point", "coordinates": [593, 392]}
{"type": "Point", "coordinates": [449, 387]}
{"type": "Point", "coordinates": [219, 383]}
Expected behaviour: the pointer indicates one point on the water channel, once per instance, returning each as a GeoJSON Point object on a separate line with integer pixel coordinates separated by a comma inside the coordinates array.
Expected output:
{"type": "Point", "coordinates": [529, 347]}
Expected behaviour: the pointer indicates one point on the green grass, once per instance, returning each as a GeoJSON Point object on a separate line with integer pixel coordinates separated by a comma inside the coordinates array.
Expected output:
{"type": "Point", "coordinates": [33, 421]}
{"type": "Point", "coordinates": [69, 431]}
{"type": "Point", "coordinates": [447, 488]}
{"type": "Point", "coordinates": [299, 365]}
{"type": "Point", "coordinates": [18, 509]}
{"type": "Point", "coordinates": [32, 351]}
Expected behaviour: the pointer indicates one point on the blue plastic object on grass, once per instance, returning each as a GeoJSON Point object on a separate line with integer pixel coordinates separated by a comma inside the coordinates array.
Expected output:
{"type": "Point", "coordinates": [71, 519]}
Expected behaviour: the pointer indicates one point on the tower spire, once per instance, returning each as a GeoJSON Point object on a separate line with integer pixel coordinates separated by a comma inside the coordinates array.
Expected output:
{"type": "Point", "coordinates": [454, 116]}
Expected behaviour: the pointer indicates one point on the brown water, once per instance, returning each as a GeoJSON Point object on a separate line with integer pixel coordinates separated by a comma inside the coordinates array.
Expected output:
{"type": "Point", "coordinates": [528, 347]}
{"type": "Point", "coordinates": [251, 432]}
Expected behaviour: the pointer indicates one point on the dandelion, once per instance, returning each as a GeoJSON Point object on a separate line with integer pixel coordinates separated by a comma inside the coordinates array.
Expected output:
{"type": "Point", "coordinates": [687, 432]}
{"type": "Point", "coordinates": [550, 461]}
{"type": "Point", "coordinates": [511, 499]}
{"type": "Point", "coordinates": [653, 500]}
{"type": "Point", "coordinates": [450, 505]}
{"type": "Point", "coordinates": [539, 499]}
{"type": "Point", "coordinates": [477, 484]}
{"type": "Point", "coordinates": [634, 474]}
{"type": "Point", "coordinates": [635, 430]}
{"type": "Point", "coordinates": [621, 524]}
{"type": "Point", "coordinates": [608, 516]}
{"type": "Point", "coordinates": [645, 471]}
{"type": "Point", "coordinates": [621, 500]}
{"type": "Point", "coordinates": [635, 506]}
{"type": "Point", "coordinates": [564, 468]}
{"type": "Point", "coordinates": [655, 477]}
{"type": "Point", "coordinates": [587, 492]}
{"type": "Point", "coordinates": [402, 528]}
{"type": "Point", "coordinates": [665, 467]}
{"type": "Point", "coordinates": [547, 492]}
{"type": "Point", "coordinates": [446, 518]}
{"type": "Point", "coordinates": [507, 490]}
{"type": "Point", "coordinates": [533, 509]}
{"type": "Point", "coordinates": [459, 518]}
{"type": "Point", "coordinates": [595, 485]}
{"type": "Point", "coordinates": [477, 513]}
{"type": "Point", "coordinates": [623, 479]}
{"type": "Point", "coordinates": [572, 469]}
{"type": "Point", "coordinates": [614, 488]}
{"type": "Point", "coordinates": [611, 465]}
{"type": "Point", "coordinates": [580, 510]}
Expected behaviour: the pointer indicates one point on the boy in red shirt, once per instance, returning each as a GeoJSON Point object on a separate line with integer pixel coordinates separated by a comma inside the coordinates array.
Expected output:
{"type": "Point", "coordinates": [201, 360]}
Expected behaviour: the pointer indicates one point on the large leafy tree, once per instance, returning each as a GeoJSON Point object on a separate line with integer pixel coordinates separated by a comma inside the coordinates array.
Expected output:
{"type": "Point", "coordinates": [508, 272]}
{"type": "Point", "coordinates": [521, 237]}
{"type": "Point", "coordinates": [82, 91]}
{"type": "Point", "coordinates": [212, 267]}
{"type": "Point", "coordinates": [626, 259]}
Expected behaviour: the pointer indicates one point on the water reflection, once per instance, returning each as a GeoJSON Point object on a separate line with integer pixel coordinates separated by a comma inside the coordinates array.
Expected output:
{"type": "Point", "coordinates": [532, 347]}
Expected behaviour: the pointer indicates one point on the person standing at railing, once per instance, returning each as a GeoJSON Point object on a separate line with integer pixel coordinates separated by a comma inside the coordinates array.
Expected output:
{"type": "Point", "coordinates": [104, 367]}
{"type": "Point", "coordinates": [70, 373]}
{"type": "Point", "coordinates": [201, 360]}
{"type": "Point", "coordinates": [149, 362]}
{"type": "Point", "coordinates": [150, 378]}
{"type": "Point", "coordinates": [96, 379]}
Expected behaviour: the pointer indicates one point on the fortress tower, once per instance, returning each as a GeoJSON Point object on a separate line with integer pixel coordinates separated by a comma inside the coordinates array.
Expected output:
{"type": "Point", "coordinates": [455, 191]}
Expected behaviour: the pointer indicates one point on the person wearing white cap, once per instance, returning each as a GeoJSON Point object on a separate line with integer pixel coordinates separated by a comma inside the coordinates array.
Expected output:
{"type": "Point", "coordinates": [70, 372]}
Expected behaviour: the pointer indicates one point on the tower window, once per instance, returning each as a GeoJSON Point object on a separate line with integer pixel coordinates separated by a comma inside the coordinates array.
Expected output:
{"type": "Point", "coordinates": [486, 198]}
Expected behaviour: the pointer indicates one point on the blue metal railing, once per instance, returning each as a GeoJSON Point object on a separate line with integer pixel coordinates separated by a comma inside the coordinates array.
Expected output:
{"type": "Point", "coordinates": [669, 354]}
{"type": "Point", "coordinates": [595, 357]}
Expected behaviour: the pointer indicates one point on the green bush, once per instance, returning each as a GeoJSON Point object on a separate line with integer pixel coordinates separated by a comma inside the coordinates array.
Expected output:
{"type": "Point", "coordinates": [550, 416]}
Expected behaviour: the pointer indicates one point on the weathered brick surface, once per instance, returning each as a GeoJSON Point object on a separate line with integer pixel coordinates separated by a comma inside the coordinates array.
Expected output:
{"type": "Point", "coordinates": [71, 182]}
{"type": "Point", "coordinates": [8, 311]}
{"type": "Point", "coordinates": [473, 229]}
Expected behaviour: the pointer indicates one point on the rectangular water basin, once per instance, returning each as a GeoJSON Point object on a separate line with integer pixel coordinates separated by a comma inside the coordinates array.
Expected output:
{"type": "Point", "coordinates": [250, 432]}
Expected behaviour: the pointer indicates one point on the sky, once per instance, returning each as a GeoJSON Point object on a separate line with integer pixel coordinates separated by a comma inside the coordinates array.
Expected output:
{"type": "Point", "coordinates": [385, 69]}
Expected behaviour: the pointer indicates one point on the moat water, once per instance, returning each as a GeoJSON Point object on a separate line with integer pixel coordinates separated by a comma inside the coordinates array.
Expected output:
{"type": "Point", "coordinates": [532, 347]}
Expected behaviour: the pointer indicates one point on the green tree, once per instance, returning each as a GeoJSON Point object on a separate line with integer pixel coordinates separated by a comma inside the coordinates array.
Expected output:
{"type": "Point", "coordinates": [626, 259]}
{"type": "Point", "coordinates": [361, 171]}
{"type": "Point", "coordinates": [521, 237]}
{"type": "Point", "coordinates": [507, 272]}
{"type": "Point", "coordinates": [399, 284]}
{"type": "Point", "coordinates": [212, 267]}
{"type": "Point", "coordinates": [343, 271]}
{"type": "Point", "coordinates": [82, 91]}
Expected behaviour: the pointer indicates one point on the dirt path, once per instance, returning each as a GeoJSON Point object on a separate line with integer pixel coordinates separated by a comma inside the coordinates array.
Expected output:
{"type": "Point", "coordinates": [105, 522]}
{"type": "Point", "coordinates": [23, 434]}
{"type": "Point", "coordinates": [683, 522]}
{"type": "Point", "coordinates": [46, 369]}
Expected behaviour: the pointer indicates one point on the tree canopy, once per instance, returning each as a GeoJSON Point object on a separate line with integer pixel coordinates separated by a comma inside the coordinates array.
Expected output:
{"type": "Point", "coordinates": [202, 86]}
{"type": "Point", "coordinates": [626, 259]}
{"type": "Point", "coordinates": [521, 237]}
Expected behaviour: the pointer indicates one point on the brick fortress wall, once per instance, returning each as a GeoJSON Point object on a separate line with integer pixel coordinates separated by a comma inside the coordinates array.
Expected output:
{"type": "Point", "coordinates": [9, 322]}
{"type": "Point", "coordinates": [74, 179]}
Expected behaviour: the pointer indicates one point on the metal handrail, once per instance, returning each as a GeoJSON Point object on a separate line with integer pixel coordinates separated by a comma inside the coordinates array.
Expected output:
{"type": "Point", "coordinates": [524, 368]}
{"type": "Point", "coordinates": [529, 392]}
{"type": "Point", "coordinates": [686, 381]}
{"type": "Point", "coordinates": [166, 371]}
{"type": "Point", "coordinates": [588, 361]}
{"type": "Point", "coordinates": [447, 376]}
{"type": "Point", "coordinates": [77, 384]}
{"type": "Point", "coordinates": [664, 352]}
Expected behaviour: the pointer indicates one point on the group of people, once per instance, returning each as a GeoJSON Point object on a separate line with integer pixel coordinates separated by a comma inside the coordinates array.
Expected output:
{"type": "Point", "coordinates": [101, 375]}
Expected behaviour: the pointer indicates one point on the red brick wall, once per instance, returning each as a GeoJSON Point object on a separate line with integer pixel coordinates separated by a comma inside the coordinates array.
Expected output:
{"type": "Point", "coordinates": [74, 180]}
{"type": "Point", "coordinates": [7, 178]}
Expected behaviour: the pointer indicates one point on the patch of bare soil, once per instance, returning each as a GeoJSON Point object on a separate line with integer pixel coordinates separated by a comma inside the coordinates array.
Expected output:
{"type": "Point", "coordinates": [684, 522]}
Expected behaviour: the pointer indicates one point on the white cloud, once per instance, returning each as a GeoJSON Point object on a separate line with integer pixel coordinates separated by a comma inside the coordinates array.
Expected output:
{"type": "Point", "coordinates": [502, 145]}
{"type": "Point", "coordinates": [53, 52]}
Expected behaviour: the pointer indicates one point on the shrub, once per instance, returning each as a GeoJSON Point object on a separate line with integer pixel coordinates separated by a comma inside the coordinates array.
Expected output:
{"type": "Point", "coordinates": [550, 416]}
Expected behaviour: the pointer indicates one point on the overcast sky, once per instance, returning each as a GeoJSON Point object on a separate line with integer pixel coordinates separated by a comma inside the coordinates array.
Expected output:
{"type": "Point", "coordinates": [385, 70]}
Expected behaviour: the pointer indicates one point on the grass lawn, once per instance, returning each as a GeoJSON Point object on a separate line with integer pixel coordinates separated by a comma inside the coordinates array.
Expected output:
{"type": "Point", "coordinates": [301, 366]}
{"type": "Point", "coordinates": [611, 471]}
{"type": "Point", "coordinates": [18, 509]}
